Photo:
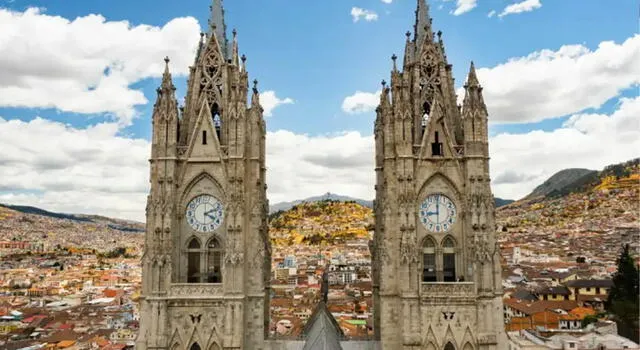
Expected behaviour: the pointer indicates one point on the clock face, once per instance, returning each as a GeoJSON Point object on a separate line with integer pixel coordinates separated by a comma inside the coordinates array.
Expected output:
{"type": "Point", "coordinates": [438, 213]}
{"type": "Point", "coordinates": [205, 213]}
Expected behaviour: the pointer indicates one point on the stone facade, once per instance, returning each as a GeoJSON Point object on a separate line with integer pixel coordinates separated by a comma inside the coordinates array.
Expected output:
{"type": "Point", "coordinates": [207, 260]}
{"type": "Point", "coordinates": [206, 266]}
{"type": "Point", "coordinates": [437, 277]}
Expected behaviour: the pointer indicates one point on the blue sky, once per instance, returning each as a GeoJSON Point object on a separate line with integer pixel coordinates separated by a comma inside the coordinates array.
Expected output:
{"type": "Point", "coordinates": [316, 54]}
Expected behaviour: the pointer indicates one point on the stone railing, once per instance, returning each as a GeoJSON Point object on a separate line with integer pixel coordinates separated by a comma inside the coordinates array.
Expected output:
{"type": "Point", "coordinates": [448, 291]}
{"type": "Point", "coordinates": [195, 290]}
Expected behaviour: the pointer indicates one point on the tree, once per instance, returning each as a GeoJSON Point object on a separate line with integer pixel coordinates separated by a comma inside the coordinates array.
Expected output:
{"type": "Point", "coordinates": [623, 300]}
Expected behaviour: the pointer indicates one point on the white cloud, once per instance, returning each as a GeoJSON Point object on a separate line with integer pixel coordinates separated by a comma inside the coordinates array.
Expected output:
{"type": "Point", "coordinates": [361, 102]}
{"type": "Point", "coordinates": [520, 162]}
{"type": "Point", "coordinates": [491, 13]}
{"type": "Point", "coordinates": [387, 1]}
{"type": "Point", "coordinates": [464, 6]}
{"type": "Point", "coordinates": [360, 13]}
{"type": "Point", "coordinates": [548, 84]}
{"type": "Point", "coordinates": [57, 167]}
{"type": "Point", "coordinates": [90, 170]}
{"type": "Point", "coordinates": [524, 6]}
{"type": "Point", "coordinates": [88, 64]}
{"type": "Point", "coordinates": [61, 168]}
{"type": "Point", "coordinates": [270, 101]}
{"type": "Point", "coordinates": [300, 166]}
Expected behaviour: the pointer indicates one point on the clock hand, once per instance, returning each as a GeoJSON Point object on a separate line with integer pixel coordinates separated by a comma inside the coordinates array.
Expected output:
{"type": "Point", "coordinates": [429, 213]}
{"type": "Point", "coordinates": [438, 208]}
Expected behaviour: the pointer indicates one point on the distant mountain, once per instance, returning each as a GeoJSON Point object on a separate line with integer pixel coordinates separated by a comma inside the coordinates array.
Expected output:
{"type": "Point", "coordinates": [115, 224]}
{"type": "Point", "coordinates": [564, 182]}
{"type": "Point", "coordinates": [502, 202]}
{"type": "Point", "coordinates": [569, 181]}
{"type": "Point", "coordinates": [328, 196]}
{"type": "Point", "coordinates": [37, 211]}
{"type": "Point", "coordinates": [336, 197]}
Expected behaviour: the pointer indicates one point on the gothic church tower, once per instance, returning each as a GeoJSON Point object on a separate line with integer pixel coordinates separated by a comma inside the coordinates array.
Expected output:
{"type": "Point", "coordinates": [206, 264]}
{"type": "Point", "coordinates": [437, 276]}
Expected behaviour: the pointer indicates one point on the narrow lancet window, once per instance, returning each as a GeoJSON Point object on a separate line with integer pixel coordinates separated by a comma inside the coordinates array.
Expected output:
{"type": "Point", "coordinates": [449, 260]}
{"type": "Point", "coordinates": [429, 260]}
{"type": "Point", "coordinates": [193, 261]}
{"type": "Point", "coordinates": [426, 110]}
{"type": "Point", "coordinates": [214, 261]}
{"type": "Point", "coordinates": [217, 121]}
{"type": "Point", "coordinates": [195, 346]}
{"type": "Point", "coordinates": [204, 137]}
{"type": "Point", "coordinates": [436, 147]}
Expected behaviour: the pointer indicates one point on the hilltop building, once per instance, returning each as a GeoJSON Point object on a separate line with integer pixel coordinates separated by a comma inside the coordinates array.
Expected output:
{"type": "Point", "coordinates": [436, 263]}
{"type": "Point", "coordinates": [206, 265]}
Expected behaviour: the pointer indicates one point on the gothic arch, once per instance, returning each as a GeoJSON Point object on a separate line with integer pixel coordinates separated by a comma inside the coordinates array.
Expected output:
{"type": "Point", "coordinates": [449, 340]}
{"type": "Point", "coordinates": [450, 259]}
{"type": "Point", "coordinates": [214, 340]}
{"type": "Point", "coordinates": [176, 340]}
{"type": "Point", "coordinates": [428, 241]}
{"type": "Point", "coordinates": [429, 256]}
{"type": "Point", "coordinates": [467, 346]}
{"type": "Point", "coordinates": [449, 241]}
{"type": "Point", "coordinates": [455, 191]}
{"type": "Point", "coordinates": [187, 191]}
{"type": "Point", "coordinates": [195, 346]}
{"type": "Point", "coordinates": [430, 346]}
{"type": "Point", "coordinates": [193, 242]}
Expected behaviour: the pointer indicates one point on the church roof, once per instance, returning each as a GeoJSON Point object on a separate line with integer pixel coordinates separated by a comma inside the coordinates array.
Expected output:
{"type": "Point", "coordinates": [322, 330]}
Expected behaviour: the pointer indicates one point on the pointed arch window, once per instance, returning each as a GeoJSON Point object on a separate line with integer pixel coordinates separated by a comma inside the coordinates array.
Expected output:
{"type": "Point", "coordinates": [426, 111]}
{"type": "Point", "coordinates": [436, 146]}
{"type": "Point", "coordinates": [193, 261]}
{"type": "Point", "coordinates": [449, 259]}
{"type": "Point", "coordinates": [195, 346]}
{"type": "Point", "coordinates": [449, 346]}
{"type": "Point", "coordinates": [429, 260]}
{"type": "Point", "coordinates": [214, 261]}
{"type": "Point", "coordinates": [217, 120]}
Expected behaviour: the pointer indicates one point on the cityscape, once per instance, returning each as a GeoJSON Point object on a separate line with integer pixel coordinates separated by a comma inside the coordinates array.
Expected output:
{"type": "Point", "coordinates": [344, 175]}
{"type": "Point", "coordinates": [557, 269]}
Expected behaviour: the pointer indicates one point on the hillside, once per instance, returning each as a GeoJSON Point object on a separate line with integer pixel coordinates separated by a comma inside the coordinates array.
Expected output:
{"type": "Point", "coordinates": [569, 181]}
{"type": "Point", "coordinates": [319, 223]}
{"type": "Point", "coordinates": [594, 218]}
{"type": "Point", "coordinates": [499, 202]}
{"type": "Point", "coordinates": [563, 182]}
{"type": "Point", "coordinates": [53, 230]}
{"type": "Point", "coordinates": [327, 196]}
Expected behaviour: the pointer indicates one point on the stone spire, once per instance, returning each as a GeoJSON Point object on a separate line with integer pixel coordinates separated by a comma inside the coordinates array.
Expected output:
{"type": "Point", "coordinates": [218, 27]}
{"type": "Point", "coordinates": [167, 82]}
{"type": "Point", "coordinates": [235, 58]}
{"type": "Point", "coordinates": [474, 113]}
{"type": "Point", "coordinates": [408, 50]}
{"type": "Point", "coordinates": [423, 23]}
{"type": "Point", "coordinates": [472, 79]}
{"type": "Point", "coordinates": [473, 98]}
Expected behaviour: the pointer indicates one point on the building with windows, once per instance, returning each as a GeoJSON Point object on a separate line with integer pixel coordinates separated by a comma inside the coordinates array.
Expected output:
{"type": "Point", "coordinates": [435, 260]}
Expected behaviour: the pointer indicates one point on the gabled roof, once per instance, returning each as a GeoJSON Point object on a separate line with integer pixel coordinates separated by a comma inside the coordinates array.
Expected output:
{"type": "Point", "coordinates": [322, 330]}
{"type": "Point", "coordinates": [590, 283]}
